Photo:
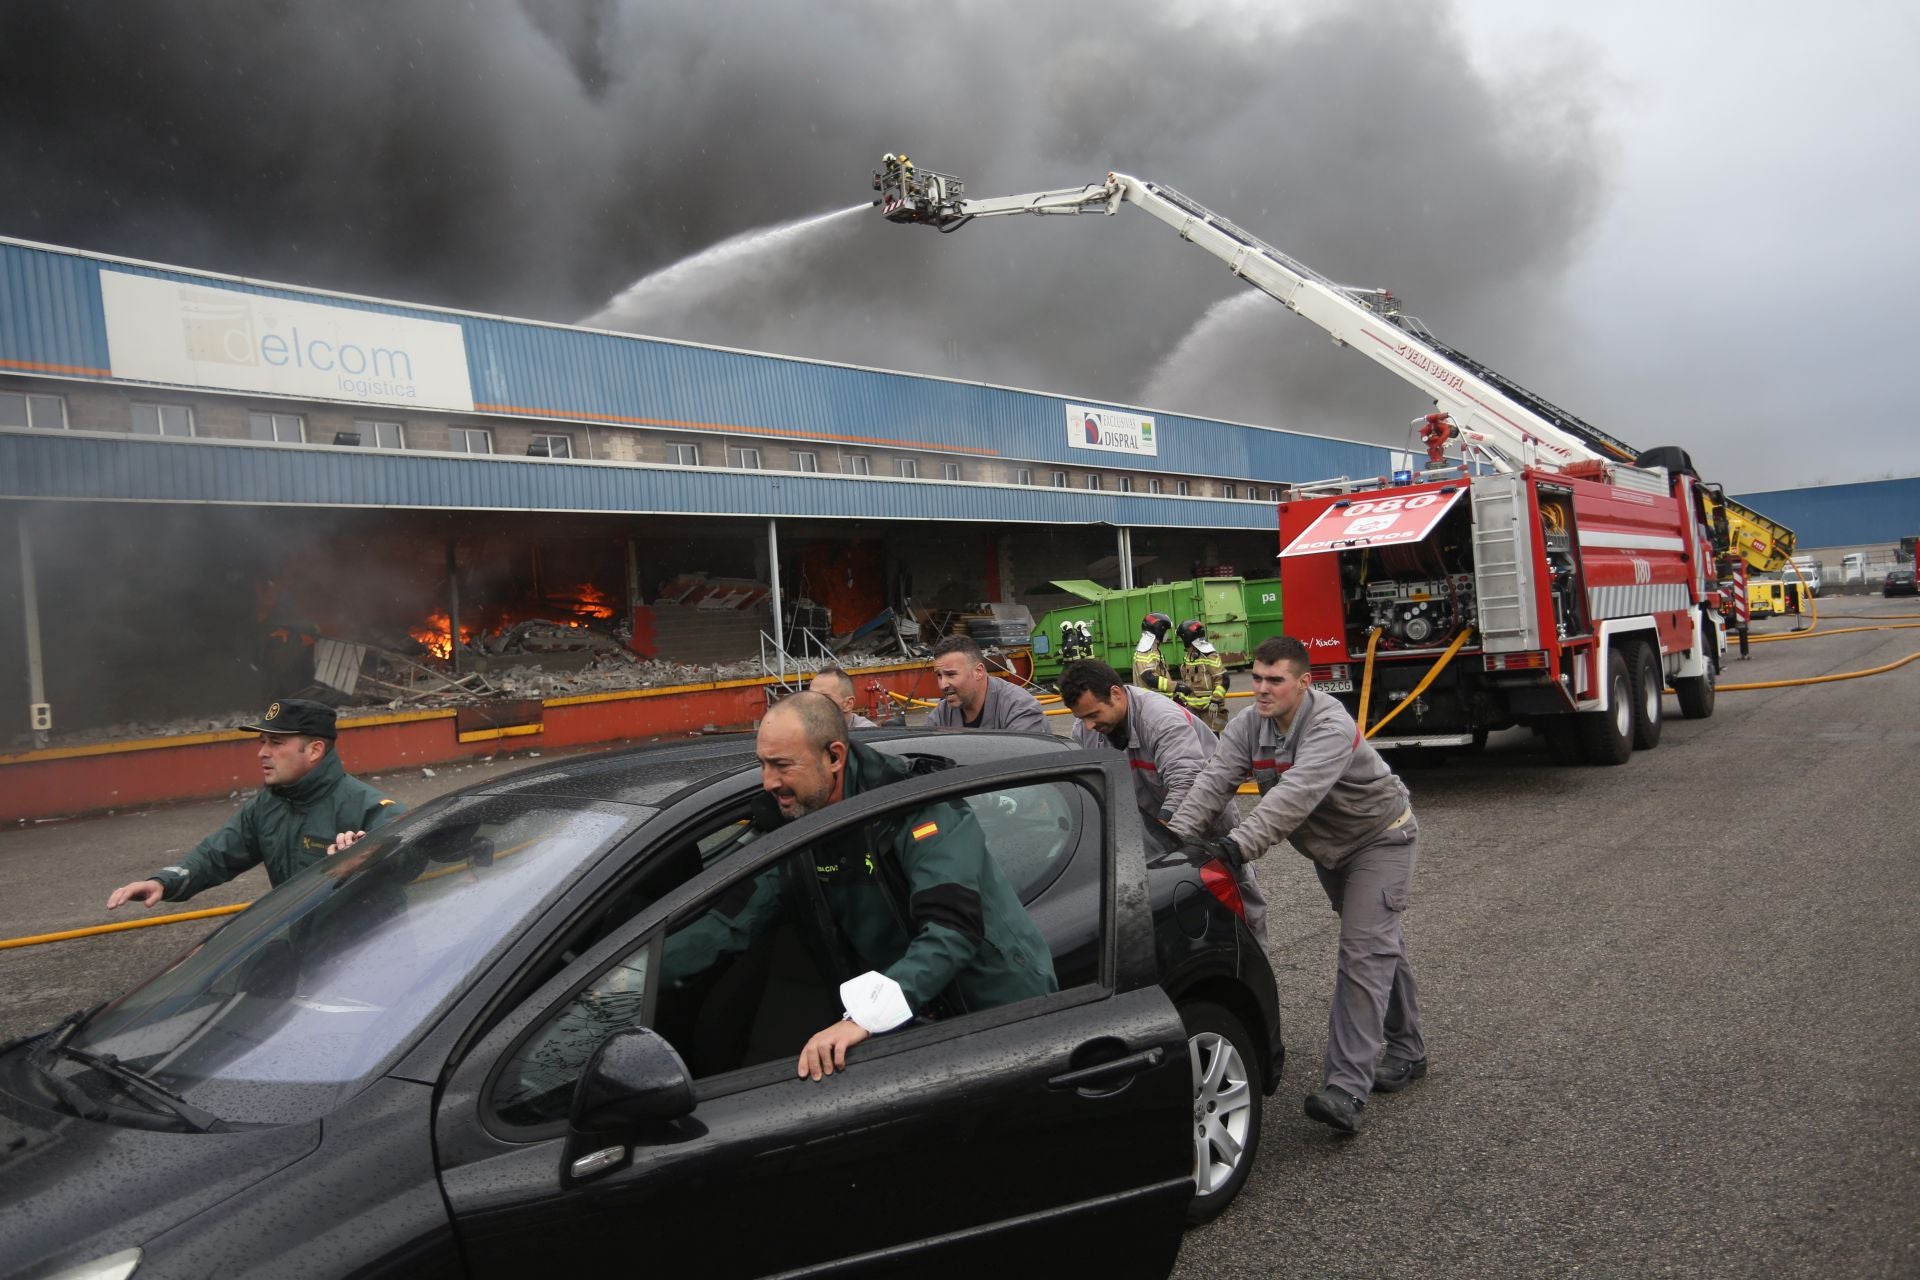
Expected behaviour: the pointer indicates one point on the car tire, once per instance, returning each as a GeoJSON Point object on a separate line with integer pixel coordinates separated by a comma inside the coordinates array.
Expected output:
{"type": "Point", "coordinates": [1227, 1107]}
{"type": "Point", "coordinates": [1607, 736]}
{"type": "Point", "coordinates": [1649, 688]}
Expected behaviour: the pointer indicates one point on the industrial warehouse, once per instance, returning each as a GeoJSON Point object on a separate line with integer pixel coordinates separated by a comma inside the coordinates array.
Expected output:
{"type": "Point", "coordinates": [225, 490]}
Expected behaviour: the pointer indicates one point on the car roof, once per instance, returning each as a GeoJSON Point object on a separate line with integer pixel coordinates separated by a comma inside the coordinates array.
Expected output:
{"type": "Point", "coordinates": [653, 774]}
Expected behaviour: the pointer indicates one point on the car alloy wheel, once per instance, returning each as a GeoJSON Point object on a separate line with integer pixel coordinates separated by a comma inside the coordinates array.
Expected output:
{"type": "Point", "coordinates": [1226, 1108]}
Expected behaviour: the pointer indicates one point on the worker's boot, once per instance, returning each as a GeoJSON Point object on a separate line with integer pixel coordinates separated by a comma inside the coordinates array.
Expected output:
{"type": "Point", "coordinates": [1335, 1108]}
{"type": "Point", "coordinates": [1394, 1074]}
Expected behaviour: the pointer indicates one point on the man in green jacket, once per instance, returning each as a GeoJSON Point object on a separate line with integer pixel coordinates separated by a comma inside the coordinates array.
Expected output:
{"type": "Point", "coordinates": [916, 897]}
{"type": "Point", "coordinates": [308, 807]}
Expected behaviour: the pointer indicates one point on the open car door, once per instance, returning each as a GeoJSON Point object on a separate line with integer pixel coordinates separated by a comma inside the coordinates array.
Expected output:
{"type": "Point", "coordinates": [1050, 1131]}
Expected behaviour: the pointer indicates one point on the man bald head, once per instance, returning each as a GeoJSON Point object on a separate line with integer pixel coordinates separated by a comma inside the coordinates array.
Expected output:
{"type": "Point", "coordinates": [802, 749]}
{"type": "Point", "coordinates": [833, 683]}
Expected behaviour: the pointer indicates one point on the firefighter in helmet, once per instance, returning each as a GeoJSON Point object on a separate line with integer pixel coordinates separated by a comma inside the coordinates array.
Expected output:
{"type": "Point", "coordinates": [1076, 640]}
{"type": "Point", "coordinates": [1205, 675]}
{"type": "Point", "coordinates": [1150, 670]}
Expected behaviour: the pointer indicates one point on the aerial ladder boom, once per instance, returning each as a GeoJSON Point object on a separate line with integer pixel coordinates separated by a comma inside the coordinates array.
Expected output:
{"type": "Point", "coordinates": [1485, 412]}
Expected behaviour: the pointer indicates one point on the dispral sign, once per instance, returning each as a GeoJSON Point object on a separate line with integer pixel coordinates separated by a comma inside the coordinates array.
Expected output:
{"type": "Point", "coordinates": [203, 336]}
{"type": "Point", "coordinates": [1111, 431]}
{"type": "Point", "coordinates": [1374, 522]}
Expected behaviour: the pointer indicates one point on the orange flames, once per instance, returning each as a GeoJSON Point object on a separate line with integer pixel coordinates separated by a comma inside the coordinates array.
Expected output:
{"type": "Point", "coordinates": [436, 633]}
{"type": "Point", "coordinates": [589, 601]}
{"type": "Point", "coordinates": [584, 601]}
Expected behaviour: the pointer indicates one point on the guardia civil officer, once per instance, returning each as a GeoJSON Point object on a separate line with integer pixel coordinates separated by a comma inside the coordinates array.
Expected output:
{"type": "Point", "coordinates": [307, 806]}
{"type": "Point", "coordinates": [1166, 744]}
{"type": "Point", "coordinates": [1326, 789]}
{"type": "Point", "coordinates": [916, 898]}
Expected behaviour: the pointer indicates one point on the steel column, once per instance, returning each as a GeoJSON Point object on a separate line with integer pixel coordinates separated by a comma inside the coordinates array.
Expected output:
{"type": "Point", "coordinates": [30, 615]}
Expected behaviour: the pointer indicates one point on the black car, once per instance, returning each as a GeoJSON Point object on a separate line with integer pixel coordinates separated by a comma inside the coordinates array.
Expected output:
{"type": "Point", "coordinates": [450, 1051]}
{"type": "Point", "coordinates": [1900, 582]}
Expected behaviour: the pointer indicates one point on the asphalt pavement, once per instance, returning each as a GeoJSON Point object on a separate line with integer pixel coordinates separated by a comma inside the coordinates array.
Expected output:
{"type": "Point", "coordinates": [1662, 1000]}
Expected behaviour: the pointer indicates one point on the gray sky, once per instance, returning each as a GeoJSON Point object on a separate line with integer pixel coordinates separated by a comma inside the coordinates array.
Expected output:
{"type": "Point", "coordinates": [1679, 221]}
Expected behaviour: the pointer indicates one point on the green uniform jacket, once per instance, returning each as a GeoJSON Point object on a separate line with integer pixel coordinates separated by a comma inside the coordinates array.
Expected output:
{"type": "Point", "coordinates": [288, 828]}
{"type": "Point", "coordinates": [916, 897]}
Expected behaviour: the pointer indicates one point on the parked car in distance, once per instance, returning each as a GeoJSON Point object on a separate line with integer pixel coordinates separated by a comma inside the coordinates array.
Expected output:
{"type": "Point", "coordinates": [473, 1045]}
{"type": "Point", "coordinates": [1900, 582]}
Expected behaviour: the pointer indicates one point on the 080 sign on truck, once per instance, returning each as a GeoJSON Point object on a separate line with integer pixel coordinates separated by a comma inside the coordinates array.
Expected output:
{"type": "Point", "coordinates": [1375, 522]}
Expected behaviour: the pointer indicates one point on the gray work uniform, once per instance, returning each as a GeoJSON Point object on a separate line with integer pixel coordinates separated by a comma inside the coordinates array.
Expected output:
{"type": "Point", "coordinates": [1007, 706]}
{"type": "Point", "coordinates": [857, 721]}
{"type": "Point", "coordinates": [1326, 789]}
{"type": "Point", "coordinates": [1168, 746]}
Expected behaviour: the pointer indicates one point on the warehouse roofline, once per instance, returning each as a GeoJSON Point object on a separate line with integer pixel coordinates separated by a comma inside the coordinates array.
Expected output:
{"type": "Point", "coordinates": [427, 310]}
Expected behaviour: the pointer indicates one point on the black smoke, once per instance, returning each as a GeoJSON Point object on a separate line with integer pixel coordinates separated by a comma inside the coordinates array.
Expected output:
{"type": "Point", "coordinates": [535, 158]}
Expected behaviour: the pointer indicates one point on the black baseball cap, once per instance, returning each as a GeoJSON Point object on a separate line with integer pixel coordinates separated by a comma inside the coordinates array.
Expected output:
{"type": "Point", "coordinates": [297, 715]}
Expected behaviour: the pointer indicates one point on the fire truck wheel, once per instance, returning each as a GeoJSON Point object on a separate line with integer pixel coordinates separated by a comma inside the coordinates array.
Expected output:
{"type": "Point", "coordinates": [1695, 694]}
{"type": "Point", "coordinates": [1648, 686]}
{"type": "Point", "coordinates": [1607, 735]}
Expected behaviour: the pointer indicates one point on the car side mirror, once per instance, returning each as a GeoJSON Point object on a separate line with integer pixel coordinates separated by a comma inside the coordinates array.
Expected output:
{"type": "Point", "coordinates": [634, 1079]}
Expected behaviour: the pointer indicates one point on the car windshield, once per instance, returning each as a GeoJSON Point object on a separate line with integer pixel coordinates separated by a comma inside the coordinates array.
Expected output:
{"type": "Point", "coordinates": [319, 984]}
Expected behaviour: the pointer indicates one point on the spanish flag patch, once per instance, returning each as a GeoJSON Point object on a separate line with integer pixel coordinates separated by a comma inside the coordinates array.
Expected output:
{"type": "Point", "coordinates": [926, 829]}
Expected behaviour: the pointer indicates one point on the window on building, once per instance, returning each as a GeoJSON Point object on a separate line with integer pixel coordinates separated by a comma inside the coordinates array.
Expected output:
{"type": "Point", "coordinates": [1023, 476]}
{"type": "Point", "coordinates": [1059, 479]}
{"type": "Point", "coordinates": [1093, 480]}
{"type": "Point", "coordinates": [804, 460]}
{"type": "Point", "coordinates": [380, 435]}
{"type": "Point", "coordinates": [1126, 484]}
{"type": "Point", "coordinates": [47, 412]}
{"type": "Point", "coordinates": [1153, 484]}
{"type": "Point", "coordinates": [546, 446]}
{"type": "Point", "coordinates": [909, 469]}
{"type": "Point", "coordinates": [1181, 488]}
{"type": "Point", "coordinates": [281, 428]}
{"type": "Point", "coordinates": [949, 471]}
{"type": "Point", "coordinates": [469, 440]}
{"type": "Point", "coordinates": [162, 420]}
{"type": "Point", "coordinates": [681, 454]}
{"type": "Point", "coordinates": [1227, 489]}
{"type": "Point", "coordinates": [1273, 495]}
{"type": "Point", "coordinates": [738, 456]}
{"type": "Point", "coordinates": [858, 464]}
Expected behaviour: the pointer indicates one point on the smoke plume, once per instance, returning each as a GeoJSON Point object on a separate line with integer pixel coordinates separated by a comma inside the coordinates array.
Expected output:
{"type": "Point", "coordinates": [537, 158]}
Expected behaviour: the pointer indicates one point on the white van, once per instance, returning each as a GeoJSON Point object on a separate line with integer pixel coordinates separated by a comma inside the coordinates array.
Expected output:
{"type": "Point", "coordinates": [1809, 571]}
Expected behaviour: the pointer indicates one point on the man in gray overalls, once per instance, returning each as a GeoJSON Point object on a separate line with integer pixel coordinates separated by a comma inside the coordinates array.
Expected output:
{"type": "Point", "coordinates": [1323, 787]}
{"type": "Point", "coordinates": [1167, 745]}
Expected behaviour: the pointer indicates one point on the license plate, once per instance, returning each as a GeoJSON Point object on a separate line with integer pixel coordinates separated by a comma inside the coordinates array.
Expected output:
{"type": "Point", "coordinates": [1334, 686]}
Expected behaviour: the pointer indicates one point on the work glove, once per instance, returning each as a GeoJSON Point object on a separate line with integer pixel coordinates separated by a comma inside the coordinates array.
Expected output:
{"type": "Point", "coordinates": [1224, 848]}
{"type": "Point", "coordinates": [1183, 690]}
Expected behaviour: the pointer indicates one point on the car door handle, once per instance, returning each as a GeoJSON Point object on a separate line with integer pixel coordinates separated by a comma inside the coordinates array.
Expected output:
{"type": "Point", "coordinates": [1107, 1073]}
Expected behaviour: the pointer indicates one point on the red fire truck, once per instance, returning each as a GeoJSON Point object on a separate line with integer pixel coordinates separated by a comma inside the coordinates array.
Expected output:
{"type": "Point", "coordinates": [1537, 571]}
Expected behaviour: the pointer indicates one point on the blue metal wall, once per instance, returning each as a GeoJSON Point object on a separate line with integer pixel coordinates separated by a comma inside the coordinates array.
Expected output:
{"type": "Point", "coordinates": [84, 467]}
{"type": "Point", "coordinates": [1844, 515]}
{"type": "Point", "coordinates": [51, 322]}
